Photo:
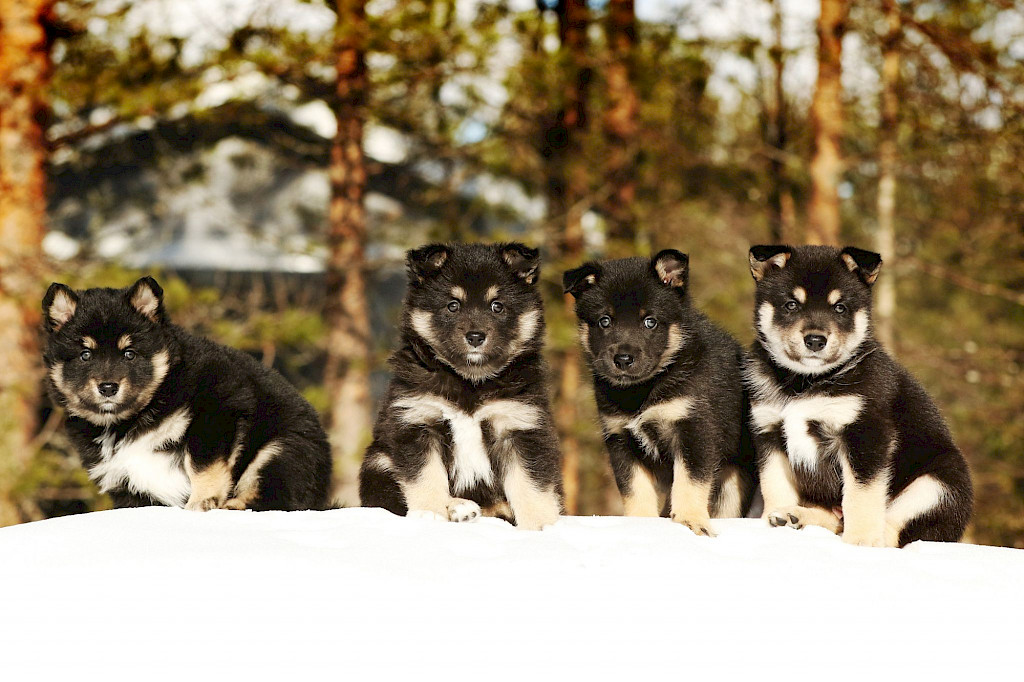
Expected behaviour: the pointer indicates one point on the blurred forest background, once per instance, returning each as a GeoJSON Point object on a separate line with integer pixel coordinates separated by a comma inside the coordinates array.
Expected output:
{"type": "Point", "coordinates": [269, 161]}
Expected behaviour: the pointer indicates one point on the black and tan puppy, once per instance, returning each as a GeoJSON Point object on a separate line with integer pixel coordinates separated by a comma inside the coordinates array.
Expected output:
{"type": "Point", "coordinates": [466, 423]}
{"type": "Point", "coordinates": [846, 438]}
{"type": "Point", "coordinates": [161, 417]}
{"type": "Point", "coordinates": [668, 388]}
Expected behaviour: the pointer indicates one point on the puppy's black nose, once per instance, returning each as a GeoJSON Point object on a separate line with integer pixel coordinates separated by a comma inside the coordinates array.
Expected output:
{"type": "Point", "coordinates": [475, 338]}
{"type": "Point", "coordinates": [108, 388]}
{"type": "Point", "coordinates": [622, 360]}
{"type": "Point", "coordinates": [815, 342]}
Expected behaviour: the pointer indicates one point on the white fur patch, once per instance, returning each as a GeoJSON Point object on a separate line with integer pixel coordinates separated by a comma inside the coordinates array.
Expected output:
{"type": "Point", "coordinates": [811, 365]}
{"type": "Point", "coordinates": [833, 413]}
{"type": "Point", "coordinates": [533, 508]}
{"type": "Point", "coordinates": [663, 415]}
{"type": "Point", "coordinates": [380, 462]}
{"type": "Point", "coordinates": [920, 497]}
{"type": "Point", "coordinates": [471, 462]}
{"type": "Point", "coordinates": [141, 465]}
{"type": "Point", "coordinates": [528, 324]}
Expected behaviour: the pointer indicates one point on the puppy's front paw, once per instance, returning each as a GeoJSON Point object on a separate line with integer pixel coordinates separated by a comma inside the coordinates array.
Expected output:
{"type": "Point", "coordinates": [203, 504]}
{"type": "Point", "coordinates": [866, 538]}
{"type": "Point", "coordinates": [700, 525]}
{"type": "Point", "coordinates": [784, 517]}
{"type": "Point", "coordinates": [798, 517]}
{"type": "Point", "coordinates": [460, 510]}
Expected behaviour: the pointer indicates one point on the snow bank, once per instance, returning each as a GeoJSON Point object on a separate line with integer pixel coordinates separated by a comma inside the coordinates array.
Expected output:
{"type": "Point", "coordinates": [358, 593]}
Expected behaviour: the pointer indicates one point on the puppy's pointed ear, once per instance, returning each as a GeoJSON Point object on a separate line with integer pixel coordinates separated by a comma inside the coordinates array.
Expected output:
{"type": "Point", "coordinates": [766, 259]}
{"type": "Point", "coordinates": [672, 268]}
{"type": "Point", "coordinates": [522, 260]}
{"type": "Point", "coordinates": [866, 264]}
{"type": "Point", "coordinates": [425, 262]}
{"type": "Point", "coordinates": [578, 280]}
{"type": "Point", "coordinates": [147, 297]}
{"type": "Point", "coordinates": [59, 306]}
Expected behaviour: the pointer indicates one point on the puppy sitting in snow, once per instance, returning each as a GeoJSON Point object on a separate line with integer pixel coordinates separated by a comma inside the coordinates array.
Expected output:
{"type": "Point", "coordinates": [161, 417]}
{"type": "Point", "coordinates": [466, 423]}
{"type": "Point", "coordinates": [838, 424]}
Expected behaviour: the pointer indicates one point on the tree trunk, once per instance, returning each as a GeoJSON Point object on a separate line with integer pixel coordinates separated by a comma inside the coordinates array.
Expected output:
{"type": "Point", "coordinates": [885, 296]}
{"type": "Point", "coordinates": [620, 129]}
{"type": "Point", "coordinates": [24, 73]}
{"type": "Point", "coordinates": [827, 125]}
{"type": "Point", "coordinates": [780, 199]}
{"type": "Point", "coordinates": [347, 371]}
{"type": "Point", "coordinates": [567, 190]}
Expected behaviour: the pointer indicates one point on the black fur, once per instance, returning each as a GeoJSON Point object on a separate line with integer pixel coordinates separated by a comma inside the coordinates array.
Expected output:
{"type": "Point", "coordinates": [898, 432]}
{"type": "Point", "coordinates": [231, 403]}
{"type": "Point", "coordinates": [683, 355]}
{"type": "Point", "coordinates": [447, 301]}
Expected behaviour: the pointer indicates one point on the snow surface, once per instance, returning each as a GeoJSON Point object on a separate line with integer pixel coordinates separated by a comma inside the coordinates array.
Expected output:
{"type": "Point", "coordinates": [361, 594]}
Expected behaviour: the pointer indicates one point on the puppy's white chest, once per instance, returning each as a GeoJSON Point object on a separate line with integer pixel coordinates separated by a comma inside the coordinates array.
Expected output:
{"type": "Point", "coordinates": [830, 414]}
{"type": "Point", "coordinates": [144, 464]}
{"type": "Point", "coordinates": [471, 463]}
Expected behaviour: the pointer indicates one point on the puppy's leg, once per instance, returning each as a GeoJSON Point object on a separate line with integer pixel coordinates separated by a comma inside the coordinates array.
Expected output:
{"type": "Point", "coordinates": [533, 505]}
{"type": "Point", "coordinates": [211, 484]}
{"type": "Point", "coordinates": [690, 499]}
{"type": "Point", "coordinates": [729, 501]}
{"type": "Point", "coordinates": [247, 490]}
{"type": "Point", "coordinates": [923, 496]}
{"type": "Point", "coordinates": [864, 506]}
{"type": "Point", "coordinates": [641, 498]}
{"type": "Point", "coordinates": [798, 516]}
{"type": "Point", "coordinates": [429, 494]}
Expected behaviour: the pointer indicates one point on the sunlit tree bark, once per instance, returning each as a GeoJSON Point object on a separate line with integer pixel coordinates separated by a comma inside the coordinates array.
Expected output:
{"type": "Point", "coordinates": [346, 374]}
{"type": "Point", "coordinates": [24, 72]}
{"type": "Point", "coordinates": [827, 124]}
{"type": "Point", "coordinates": [885, 291]}
{"type": "Point", "coordinates": [621, 126]}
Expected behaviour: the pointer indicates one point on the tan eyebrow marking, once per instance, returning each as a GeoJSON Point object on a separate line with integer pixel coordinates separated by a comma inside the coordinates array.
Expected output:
{"type": "Point", "coordinates": [124, 342]}
{"type": "Point", "coordinates": [459, 293]}
{"type": "Point", "coordinates": [834, 296]}
{"type": "Point", "coordinates": [800, 294]}
{"type": "Point", "coordinates": [492, 293]}
{"type": "Point", "coordinates": [89, 342]}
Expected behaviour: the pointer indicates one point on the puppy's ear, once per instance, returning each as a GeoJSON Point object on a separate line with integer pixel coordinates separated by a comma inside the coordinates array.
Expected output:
{"type": "Point", "coordinates": [866, 264]}
{"type": "Point", "coordinates": [578, 280]}
{"type": "Point", "coordinates": [672, 268]}
{"type": "Point", "coordinates": [425, 262]}
{"type": "Point", "coordinates": [59, 306]}
{"type": "Point", "coordinates": [147, 297]}
{"type": "Point", "coordinates": [522, 260]}
{"type": "Point", "coordinates": [766, 259]}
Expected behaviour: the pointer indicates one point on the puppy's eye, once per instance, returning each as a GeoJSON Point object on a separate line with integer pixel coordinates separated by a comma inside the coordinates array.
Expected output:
{"type": "Point", "coordinates": [839, 308]}
{"type": "Point", "coordinates": [454, 306]}
{"type": "Point", "coordinates": [129, 354]}
{"type": "Point", "coordinates": [497, 306]}
{"type": "Point", "coordinates": [650, 322]}
{"type": "Point", "coordinates": [86, 355]}
{"type": "Point", "coordinates": [604, 322]}
{"type": "Point", "coordinates": [792, 305]}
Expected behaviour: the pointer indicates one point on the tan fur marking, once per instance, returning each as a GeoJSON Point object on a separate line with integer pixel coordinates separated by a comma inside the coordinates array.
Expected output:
{"type": "Point", "coordinates": [492, 293]}
{"type": "Point", "coordinates": [689, 500]}
{"type": "Point", "coordinates": [89, 342]}
{"type": "Point", "coordinates": [146, 302]}
{"type": "Point", "coordinates": [730, 495]}
{"type": "Point", "coordinates": [778, 483]}
{"type": "Point", "coordinates": [672, 346]}
{"type": "Point", "coordinates": [124, 342]}
{"type": "Point", "coordinates": [800, 294]}
{"type": "Point", "coordinates": [210, 486]}
{"type": "Point", "coordinates": [584, 330]}
{"type": "Point", "coordinates": [248, 486]}
{"type": "Point", "coordinates": [459, 293]}
{"type": "Point", "coordinates": [920, 497]}
{"type": "Point", "coordinates": [62, 309]}
{"type": "Point", "coordinates": [498, 510]}
{"type": "Point", "coordinates": [834, 296]}
{"type": "Point", "coordinates": [533, 508]}
{"type": "Point", "coordinates": [864, 507]}
{"type": "Point", "coordinates": [430, 490]}
{"type": "Point", "coordinates": [642, 498]}
{"type": "Point", "coordinates": [613, 423]}
{"type": "Point", "coordinates": [809, 515]}
{"type": "Point", "coordinates": [420, 321]}
{"type": "Point", "coordinates": [760, 268]}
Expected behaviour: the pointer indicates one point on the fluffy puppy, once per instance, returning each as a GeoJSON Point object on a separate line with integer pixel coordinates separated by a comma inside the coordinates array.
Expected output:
{"type": "Point", "coordinates": [845, 437]}
{"type": "Point", "coordinates": [162, 417]}
{"type": "Point", "coordinates": [466, 422]}
{"type": "Point", "coordinates": [668, 389]}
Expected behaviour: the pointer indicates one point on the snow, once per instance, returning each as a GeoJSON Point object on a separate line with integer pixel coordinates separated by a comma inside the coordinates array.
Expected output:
{"type": "Point", "coordinates": [165, 592]}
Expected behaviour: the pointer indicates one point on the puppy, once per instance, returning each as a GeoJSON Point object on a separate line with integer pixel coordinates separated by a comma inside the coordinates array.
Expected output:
{"type": "Point", "coordinates": [466, 422]}
{"type": "Point", "coordinates": [161, 417]}
{"type": "Point", "coordinates": [845, 437]}
{"type": "Point", "coordinates": [668, 389]}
